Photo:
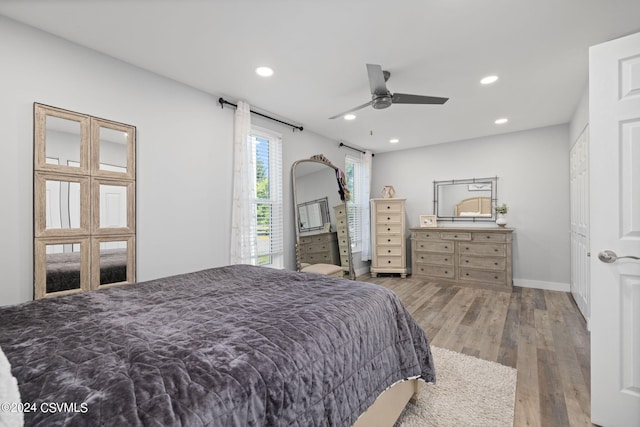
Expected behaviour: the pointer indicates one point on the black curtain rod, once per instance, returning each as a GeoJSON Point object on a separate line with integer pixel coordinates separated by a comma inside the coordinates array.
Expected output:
{"type": "Point", "coordinates": [223, 101]}
{"type": "Point", "coordinates": [342, 144]}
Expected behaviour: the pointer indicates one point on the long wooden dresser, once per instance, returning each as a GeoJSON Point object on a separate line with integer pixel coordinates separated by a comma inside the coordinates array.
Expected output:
{"type": "Point", "coordinates": [388, 247]}
{"type": "Point", "coordinates": [464, 255]}
{"type": "Point", "coordinates": [320, 248]}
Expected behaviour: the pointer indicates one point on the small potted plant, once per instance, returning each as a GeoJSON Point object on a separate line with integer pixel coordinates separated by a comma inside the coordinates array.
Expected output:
{"type": "Point", "coordinates": [501, 210]}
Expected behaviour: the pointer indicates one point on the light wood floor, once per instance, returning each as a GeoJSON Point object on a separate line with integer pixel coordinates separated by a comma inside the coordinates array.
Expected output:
{"type": "Point", "coordinates": [540, 333]}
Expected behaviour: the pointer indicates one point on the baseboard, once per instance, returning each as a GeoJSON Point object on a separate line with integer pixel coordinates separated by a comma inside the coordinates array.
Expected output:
{"type": "Point", "coordinates": [539, 284]}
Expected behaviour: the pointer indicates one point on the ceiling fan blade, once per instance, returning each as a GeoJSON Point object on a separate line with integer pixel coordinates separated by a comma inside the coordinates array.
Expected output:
{"type": "Point", "coordinates": [376, 80]}
{"type": "Point", "coordinates": [351, 110]}
{"type": "Point", "coordinates": [404, 98]}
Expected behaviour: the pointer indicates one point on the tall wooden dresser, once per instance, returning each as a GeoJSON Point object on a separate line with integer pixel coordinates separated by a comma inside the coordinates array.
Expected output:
{"type": "Point", "coordinates": [464, 255]}
{"type": "Point", "coordinates": [388, 234]}
{"type": "Point", "coordinates": [321, 248]}
{"type": "Point", "coordinates": [342, 224]}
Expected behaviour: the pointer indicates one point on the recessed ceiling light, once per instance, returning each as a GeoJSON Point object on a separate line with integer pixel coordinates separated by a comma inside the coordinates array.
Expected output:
{"type": "Point", "coordinates": [489, 79]}
{"type": "Point", "coordinates": [349, 116]}
{"type": "Point", "coordinates": [264, 71]}
{"type": "Point", "coordinates": [501, 121]}
{"type": "Point", "coordinates": [394, 140]}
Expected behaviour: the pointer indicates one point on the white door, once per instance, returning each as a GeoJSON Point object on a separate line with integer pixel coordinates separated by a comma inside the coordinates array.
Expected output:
{"type": "Point", "coordinates": [614, 110]}
{"type": "Point", "coordinates": [579, 187]}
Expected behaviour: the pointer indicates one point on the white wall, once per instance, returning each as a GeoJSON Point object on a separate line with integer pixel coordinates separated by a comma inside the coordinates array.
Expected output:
{"type": "Point", "coordinates": [184, 155]}
{"type": "Point", "coordinates": [533, 180]}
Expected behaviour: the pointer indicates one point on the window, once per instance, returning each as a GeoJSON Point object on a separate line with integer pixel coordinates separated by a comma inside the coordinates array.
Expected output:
{"type": "Point", "coordinates": [353, 166]}
{"type": "Point", "coordinates": [267, 147]}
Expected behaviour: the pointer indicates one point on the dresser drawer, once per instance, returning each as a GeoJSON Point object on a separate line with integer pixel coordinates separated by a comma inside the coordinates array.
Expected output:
{"type": "Point", "coordinates": [390, 240]}
{"type": "Point", "coordinates": [425, 235]}
{"type": "Point", "coordinates": [315, 258]}
{"type": "Point", "coordinates": [340, 210]}
{"type": "Point", "coordinates": [388, 250]}
{"type": "Point", "coordinates": [435, 270]}
{"type": "Point", "coordinates": [431, 258]}
{"type": "Point", "coordinates": [483, 249]}
{"type": "Point", "coordinates": [482, 275]}
{"type": "Point", "coordinates": [316, 238]}
{"type": "Point", "coordinates": [318, 247]}
{"type": "Point", "coordinates": [389, 228]}
{"type": "Point", "coordinates": [389, 261]}
{"type": "Point", "coordinates": [383, 206]}
{"type": "Point", "coordinates": [344, 260]}
{"type": "Point", "coordinates": [341, 222]}
{"type": "Point", "coordinates": [445, 247]}
{"type": "Point", "coordinates": [485, 263]}
{"type": "Point", "coordinates": [489, 237]}
{"type": "Point", "coordinates": [455, 236]}
{"type": "Point", "coordinates": [389, 217]}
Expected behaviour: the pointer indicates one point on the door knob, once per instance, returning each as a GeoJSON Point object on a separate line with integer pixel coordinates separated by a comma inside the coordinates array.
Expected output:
{"type": "Point", "coordinates": [610, 256]}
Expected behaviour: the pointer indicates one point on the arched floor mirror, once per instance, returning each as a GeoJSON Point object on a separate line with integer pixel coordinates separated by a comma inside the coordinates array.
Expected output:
{"type": "Point", "coordinates": [320, 215]}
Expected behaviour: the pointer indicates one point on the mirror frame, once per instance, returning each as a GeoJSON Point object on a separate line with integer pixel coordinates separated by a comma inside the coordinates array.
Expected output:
{"type": "Point", "coordinates": [494, 198]}
{"type": "Point", "coordinates": [320, 159]}
{"type": "Point", "coordinates": [90, 176]}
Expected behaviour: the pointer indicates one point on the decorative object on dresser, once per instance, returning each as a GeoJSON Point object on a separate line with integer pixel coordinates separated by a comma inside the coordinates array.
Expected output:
{"type": "Point", "coordinates": [428, 221]}
{"type": "Point", "coordinates": [388, 192]}
{"type": "Point", "coordinates": [501, 211]}
{"type": "Point", "coordinates": [463, 255]}
{"type": "Point", "coordinates": [388, 237]}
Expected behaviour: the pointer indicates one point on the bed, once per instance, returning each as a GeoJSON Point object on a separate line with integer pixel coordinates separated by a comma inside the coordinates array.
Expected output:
{"type": "Point", "coordinates": [474, 206]}
{"type": "Point", "coordinates": [63, 269]}
{"type": "Point", "coordinates": [230, 346]}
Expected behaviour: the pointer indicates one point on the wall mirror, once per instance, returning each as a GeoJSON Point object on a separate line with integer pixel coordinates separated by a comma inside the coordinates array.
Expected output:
{"type": "Point", "coordinates": [84, 202]}
{"type": "Point", "coordinates": [465, 199]}
{"type": "Point", "coordinates": [313, 215]}
{"type": "Point", "coordinates": [315, 184]}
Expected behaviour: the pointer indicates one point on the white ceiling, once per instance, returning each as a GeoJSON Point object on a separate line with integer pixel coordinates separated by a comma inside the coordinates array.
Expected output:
{"type": "Point", "coordinates": [319, 49]}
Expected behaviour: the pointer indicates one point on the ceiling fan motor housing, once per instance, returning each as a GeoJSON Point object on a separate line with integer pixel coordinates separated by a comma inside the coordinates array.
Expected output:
{"type": "Point", "coordinates": [381, 101]}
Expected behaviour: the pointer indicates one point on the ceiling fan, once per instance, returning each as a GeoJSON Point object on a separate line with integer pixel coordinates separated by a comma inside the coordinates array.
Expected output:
{"type": "Point", "coordinates": [382, 98]}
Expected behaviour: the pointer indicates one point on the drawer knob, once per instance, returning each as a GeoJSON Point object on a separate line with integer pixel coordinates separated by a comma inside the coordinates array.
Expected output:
{"type": "Point", "coordinates": [446, 272]}
{"type": "Point", "coordinates": [495, 263]}
{"type": "Point", "coordinates": [467, 249]}
{"type": "Point", "coordinates": [467, 261]}
{"type": "Point", "coordinates": [446, 247]}
{"type": "Point", "coordinates": [389, 251]}
{"type": "Point", "coordinates": [388, 229]}
{"type": "Point", "coordinates": [495, 250]}
{"type": "Point", "coordinates": [446, 259]}
{"type": "Point", "coordinates": [389, 262]}
{"type": "Point", "coordinates": [388, 218]}
{"type": "Point", "coordinates": [466, 274]}
{"type": "Point", "coordinates": [388, 240]}
{"type": "Point", "coordinates": [488, 237]}
{"type": "Point", "coordinates": [388, 207]}
{"type": "Point", "coordinates": [455, 235]}
{"type": "Point", "coordinates": [495, 277]}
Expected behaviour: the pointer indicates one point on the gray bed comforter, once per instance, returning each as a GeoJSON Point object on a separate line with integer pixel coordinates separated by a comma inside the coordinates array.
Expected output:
{"type": "Point", "coordinates": [230, 346]}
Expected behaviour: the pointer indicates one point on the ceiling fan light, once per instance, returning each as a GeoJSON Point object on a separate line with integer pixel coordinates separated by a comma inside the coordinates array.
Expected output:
{"type": "Point", "coordinates": [264, 71]}
{"type": "Point", "coordinates": [394, 140]}
{"type": "Point", "coordinates": [501, 121]}
{"type": "Point", "coordinates": [488, 80]}
{"type": "Point", "coordinates": [349, 116]}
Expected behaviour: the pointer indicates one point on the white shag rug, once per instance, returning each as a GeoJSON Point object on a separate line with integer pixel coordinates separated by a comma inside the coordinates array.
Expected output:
{"type": "Point", "coordinates": [468, 392]}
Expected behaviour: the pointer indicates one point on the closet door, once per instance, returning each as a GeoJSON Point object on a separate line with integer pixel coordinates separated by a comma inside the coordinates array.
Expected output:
{"type": "Point", "coordinates": [580, 252]}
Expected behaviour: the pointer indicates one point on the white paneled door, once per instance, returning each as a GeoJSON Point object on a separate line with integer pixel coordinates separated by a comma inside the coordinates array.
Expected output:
{"type": "Point", "coordinates": [614, 120]}
{"type": "Point", "coordinates": [579, 187]}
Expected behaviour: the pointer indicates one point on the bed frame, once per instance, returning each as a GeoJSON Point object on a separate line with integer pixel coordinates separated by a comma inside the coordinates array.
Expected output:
{"type": "Point", "coordinates": [474, 204]}
{"type": "Point", "coordinates": [389, 405]}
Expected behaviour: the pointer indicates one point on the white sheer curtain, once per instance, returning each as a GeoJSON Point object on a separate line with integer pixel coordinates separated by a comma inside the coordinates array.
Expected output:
{"type": "Point", "coordinates": [243, 213]}
{"type": "Point", "coordinates": [365, 194]}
